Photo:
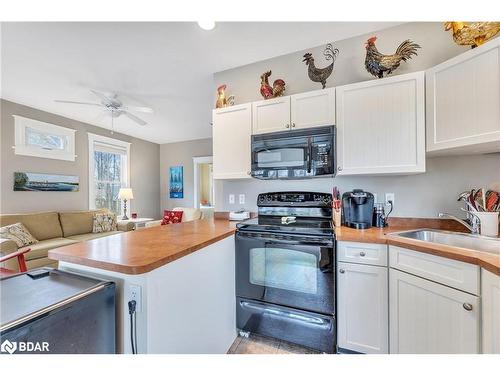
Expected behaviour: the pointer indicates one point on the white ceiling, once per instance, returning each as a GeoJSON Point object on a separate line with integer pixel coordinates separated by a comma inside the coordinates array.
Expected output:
{"type": "Point", "coordinates": [168, 66]}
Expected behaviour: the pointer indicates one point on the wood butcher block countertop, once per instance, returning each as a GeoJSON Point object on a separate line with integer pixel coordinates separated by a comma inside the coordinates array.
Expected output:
{"type": "Point", "coordinates": [144, 250]}
{"type": "Point", "coordinates": [489, 261]}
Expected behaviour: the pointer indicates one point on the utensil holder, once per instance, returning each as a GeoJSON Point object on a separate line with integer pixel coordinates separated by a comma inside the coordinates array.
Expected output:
{"type": "Point", "coordinates": [489, 223]}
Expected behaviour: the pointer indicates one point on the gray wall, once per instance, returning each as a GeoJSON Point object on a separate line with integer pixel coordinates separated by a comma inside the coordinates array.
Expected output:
{"type": "Point", "coordinates": [437, 46]}
{"type": "Point", "coordinates": [420, 195]}
{"type": "Point", "coordinates": [181, 153]}
{"type": "Point", "coordinates": [144, 165]}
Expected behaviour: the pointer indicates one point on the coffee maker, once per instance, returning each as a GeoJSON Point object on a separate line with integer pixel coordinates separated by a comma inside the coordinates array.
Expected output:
{"type": "Point", "coordinates": [357, 209]}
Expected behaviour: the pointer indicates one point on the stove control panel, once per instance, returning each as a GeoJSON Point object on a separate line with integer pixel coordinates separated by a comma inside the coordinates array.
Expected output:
{"type": "Point", "coordinates": [296, 199]}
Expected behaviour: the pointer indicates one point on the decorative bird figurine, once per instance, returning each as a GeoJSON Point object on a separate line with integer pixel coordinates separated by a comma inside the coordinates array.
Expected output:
{"type": "Point", "coordinates": [377, 64]}
{"type": "Point", "coordinates": [269, 92]}
{"type": "Point", "coordinates": [221, 97]}
{"type": "Point", "coordinates": [472, 33]}
{"type": "Point", "coordinates": [321, 74]}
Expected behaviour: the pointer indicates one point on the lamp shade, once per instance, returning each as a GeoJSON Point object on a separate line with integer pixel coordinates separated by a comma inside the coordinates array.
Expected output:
{"type": "Point", "coordinates": [126, 193]}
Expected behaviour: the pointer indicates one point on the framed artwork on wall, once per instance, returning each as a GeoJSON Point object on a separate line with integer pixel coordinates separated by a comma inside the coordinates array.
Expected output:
{"type": "Point", "coordinates": [27, 181]}
{"type": "Point", "coordinates": [176, 182]}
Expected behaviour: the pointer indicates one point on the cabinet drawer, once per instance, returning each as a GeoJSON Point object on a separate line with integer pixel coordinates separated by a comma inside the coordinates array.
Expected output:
{"type": "Point", "coordinates": [362, 253]}
{"type": "Point", "coordinates": [459, 275]}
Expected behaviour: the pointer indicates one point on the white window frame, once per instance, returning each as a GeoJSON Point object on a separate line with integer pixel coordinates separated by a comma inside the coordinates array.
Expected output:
{"type": "Point", "coordinates": [22, 148]}
{"type": "Point", "coordinates": [93, 138]}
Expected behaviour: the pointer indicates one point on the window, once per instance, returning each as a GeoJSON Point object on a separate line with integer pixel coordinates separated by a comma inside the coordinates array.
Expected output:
{"type": "Point", "coordinates": [109, 161]}
{"type": "Point", "coordinates": [44, 140]}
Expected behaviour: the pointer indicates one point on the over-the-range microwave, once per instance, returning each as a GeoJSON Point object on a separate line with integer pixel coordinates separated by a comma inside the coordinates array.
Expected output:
{"type": "Point", "coordinates": [294, 154]}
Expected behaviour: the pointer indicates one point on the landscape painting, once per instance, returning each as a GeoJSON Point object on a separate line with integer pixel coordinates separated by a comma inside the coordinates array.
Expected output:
{"type": "Point", "coordinates": [27, 181]}
{"type": "Point", "coordinates": [176, 182]}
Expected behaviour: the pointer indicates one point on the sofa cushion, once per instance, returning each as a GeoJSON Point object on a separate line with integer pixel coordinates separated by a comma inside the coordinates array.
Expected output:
{"type": "Point", "coordinates": [77, 222]}
{"type": "Point", "coordinates": [18, 233]}
{"type": "Point", "coordinates": [42, 226]}
{"type": "Point", "coordinates": [41, 249]}
{"type": "Point", "coordinates": [91, 236]}
{"type": "Point", "coordinates": [41, 262]}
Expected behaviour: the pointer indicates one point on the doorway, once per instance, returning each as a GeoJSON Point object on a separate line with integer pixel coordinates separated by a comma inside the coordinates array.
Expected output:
{"type": "Point", "coordinates": [204, 185]}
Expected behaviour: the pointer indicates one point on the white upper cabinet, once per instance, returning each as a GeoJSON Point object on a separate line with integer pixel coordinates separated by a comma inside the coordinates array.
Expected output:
{"type": "Point", "coordinates": [314, 108]}
{"type": "Point", "coordinates": [430, 318]}
{"type": "Point", "coordinates": [381, 126]}
{"type": "Point", "coordinates": [490, 290]}
{"type": "Point", "coordinates": [271, 115]}
{"type": "Point", "coordinates": [232, 129]}
{"type": "Point", "coordinates": [463, 102]}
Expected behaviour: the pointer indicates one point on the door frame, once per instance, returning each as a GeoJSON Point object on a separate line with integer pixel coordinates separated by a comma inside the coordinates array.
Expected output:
{"type": "Point", "coordinates": [197, 160]}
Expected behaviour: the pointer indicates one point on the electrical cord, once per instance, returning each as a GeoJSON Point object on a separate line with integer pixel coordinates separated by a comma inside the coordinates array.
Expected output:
{"type": "Point", "coordinates": [133, 325]}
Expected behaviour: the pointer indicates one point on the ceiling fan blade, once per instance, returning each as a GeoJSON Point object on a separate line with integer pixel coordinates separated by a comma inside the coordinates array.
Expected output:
{"type": "Point", "coordinates": [138, 109]}
{"type": "Point", "coordinates": [104, 98]}
{"type": "Point", "coordinates": [74, 102]}
{"type": "Point", "coordinates": [134, 118]}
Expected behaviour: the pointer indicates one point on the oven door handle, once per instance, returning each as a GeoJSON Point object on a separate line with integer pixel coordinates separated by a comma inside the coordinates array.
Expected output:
{"type": "Point", "coordinates": [301, 240]}
{"type": "Point", "coordinates": [309, 155]}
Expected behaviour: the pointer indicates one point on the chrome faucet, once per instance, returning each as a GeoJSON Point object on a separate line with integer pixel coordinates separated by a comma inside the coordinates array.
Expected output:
{"type": "Point", "coordinates": [475, 221]}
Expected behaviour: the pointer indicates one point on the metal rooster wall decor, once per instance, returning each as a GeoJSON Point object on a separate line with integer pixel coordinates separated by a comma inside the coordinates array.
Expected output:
{"type": "Point", "coordinates": [377, 63]}
{"type": "Point", "coordinates": [472, 33]}
{"type": "Point", "coordinates": [321, 74]}
{"type": "Point", "coordinates": [269, 92]}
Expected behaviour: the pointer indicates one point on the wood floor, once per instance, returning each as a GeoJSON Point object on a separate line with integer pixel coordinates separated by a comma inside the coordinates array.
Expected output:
{"type": "Point", "coordinates": [263, 345]}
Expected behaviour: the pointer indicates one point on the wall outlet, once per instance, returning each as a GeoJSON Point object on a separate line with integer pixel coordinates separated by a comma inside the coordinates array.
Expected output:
{"type": "Point", "coordinates": [242, 198]}
{"type": "Point", "coordinates": [231, 198]}
{"type": "Point", "coordinates": [389, 197]}
{"type": "Point", "coordinates": [136, 295]}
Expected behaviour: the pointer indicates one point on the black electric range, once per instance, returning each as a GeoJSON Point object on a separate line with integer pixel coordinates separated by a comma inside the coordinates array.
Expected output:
{"type": "Point", "coordinates": [285, 270]}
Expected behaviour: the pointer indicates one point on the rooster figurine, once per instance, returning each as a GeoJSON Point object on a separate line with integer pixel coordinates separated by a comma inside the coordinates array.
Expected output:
{"type": "Point", "coordinates": [321, 74]}
{"type": "Point", "coordinates": [472, 33]}
{"type": "Point", "coordinates": [269, 92]}
{"type": "Point", "coordinates": [221, 97]}
{"type": "Point", "coordinates": [377, 64]}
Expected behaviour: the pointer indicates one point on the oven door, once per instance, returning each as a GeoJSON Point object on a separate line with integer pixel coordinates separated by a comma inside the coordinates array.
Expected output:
{"type": "Point", "coordinates": [293, 271]}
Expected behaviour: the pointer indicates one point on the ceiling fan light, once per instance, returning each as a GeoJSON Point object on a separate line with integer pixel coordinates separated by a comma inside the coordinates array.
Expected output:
{"type": "Point", "coordinates": [206, 25]}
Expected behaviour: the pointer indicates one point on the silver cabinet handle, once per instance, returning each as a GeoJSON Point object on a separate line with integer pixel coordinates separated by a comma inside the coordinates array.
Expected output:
{"type": "Point", "coordinates": [341, 270]}
{"type": "Point", "coordinates": [362, 254]}
{"type": "Point", "coordinates": [467, 306]}
{"type": "Point", "coordinates": [287, 126]}
{"type": "Point", "coordinates": [293, 125]}
{"type": "Point", "coordinates": [339, 168]}
{"type": "Point", "coordinates": [249, 173]}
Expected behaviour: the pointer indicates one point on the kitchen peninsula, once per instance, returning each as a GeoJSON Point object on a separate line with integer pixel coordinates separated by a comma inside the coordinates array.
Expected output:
{"type": "Point", "coordinates": [181, 276]}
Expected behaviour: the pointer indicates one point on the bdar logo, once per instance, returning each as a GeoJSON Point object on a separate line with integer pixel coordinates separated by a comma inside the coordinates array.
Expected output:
{"type": "Point", "coordinates": [9, 347]}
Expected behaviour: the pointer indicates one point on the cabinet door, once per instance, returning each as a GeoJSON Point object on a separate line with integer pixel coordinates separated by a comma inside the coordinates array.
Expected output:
{"type": "Point", "coordinates": [232, 127]}
{"type": "Point", "coordinates": [314, 108]}
{"type": "Point", "coordinates": [463, 102]}
{"type": "Point", "coordinates": [430, 318]}
{"type": "Point", "coordinates": [271, 115]}
{"type": "Point", "coordinates": [362, 316]}
{"type": "Point", "coordinates": [490, 291]}
{"type": "Point", "coordinates": [381, 126]}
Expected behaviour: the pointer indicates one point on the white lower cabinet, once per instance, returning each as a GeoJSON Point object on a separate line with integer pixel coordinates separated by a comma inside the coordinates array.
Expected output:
{"type": "Point", "coordinates": [490, 293]}
{"type": "Point", "coordinates": [362, 300]}
{"type": "Point", "coordinates": [427, 317]}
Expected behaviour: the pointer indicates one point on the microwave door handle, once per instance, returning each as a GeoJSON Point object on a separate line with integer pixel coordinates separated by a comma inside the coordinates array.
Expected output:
{"type": "Point", "coordinates": [309, 155]}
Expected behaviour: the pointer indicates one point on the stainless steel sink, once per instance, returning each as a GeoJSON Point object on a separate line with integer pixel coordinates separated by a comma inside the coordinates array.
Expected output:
{"type": "Point", "coordinates": [463, 240]}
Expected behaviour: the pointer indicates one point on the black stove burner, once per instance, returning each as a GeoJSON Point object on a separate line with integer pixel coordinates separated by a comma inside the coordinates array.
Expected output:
{"type": "Point", "coordinates": [310, 226]}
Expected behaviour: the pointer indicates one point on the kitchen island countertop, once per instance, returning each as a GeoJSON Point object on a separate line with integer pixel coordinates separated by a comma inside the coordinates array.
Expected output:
{"type": "Point", "coordinates": [141, 251]}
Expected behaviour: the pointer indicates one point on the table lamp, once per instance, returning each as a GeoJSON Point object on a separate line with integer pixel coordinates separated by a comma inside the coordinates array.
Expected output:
{"type": "Point", "coordinates": [125, 194]}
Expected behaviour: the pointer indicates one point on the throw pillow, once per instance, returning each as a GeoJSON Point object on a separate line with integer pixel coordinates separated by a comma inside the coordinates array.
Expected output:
{"type": "Point", "coordinates": [104, 222]}
{"type": "Point", "coordinates": [19, 234]}
{"type": "Point", "coordinates": [171, 217]}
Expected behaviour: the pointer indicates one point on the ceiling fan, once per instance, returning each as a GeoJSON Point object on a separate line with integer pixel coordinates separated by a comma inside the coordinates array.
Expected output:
{"type": "Point", "coordinates": [112, 105]}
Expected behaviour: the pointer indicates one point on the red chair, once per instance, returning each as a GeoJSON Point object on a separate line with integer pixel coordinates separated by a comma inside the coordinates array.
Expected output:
{"type": "Point", "coordinates": [20, 259]}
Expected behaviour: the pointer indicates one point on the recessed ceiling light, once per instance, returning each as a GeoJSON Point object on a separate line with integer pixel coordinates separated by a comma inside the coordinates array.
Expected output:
{"type": "Point", "coordinates": [206, 25]}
